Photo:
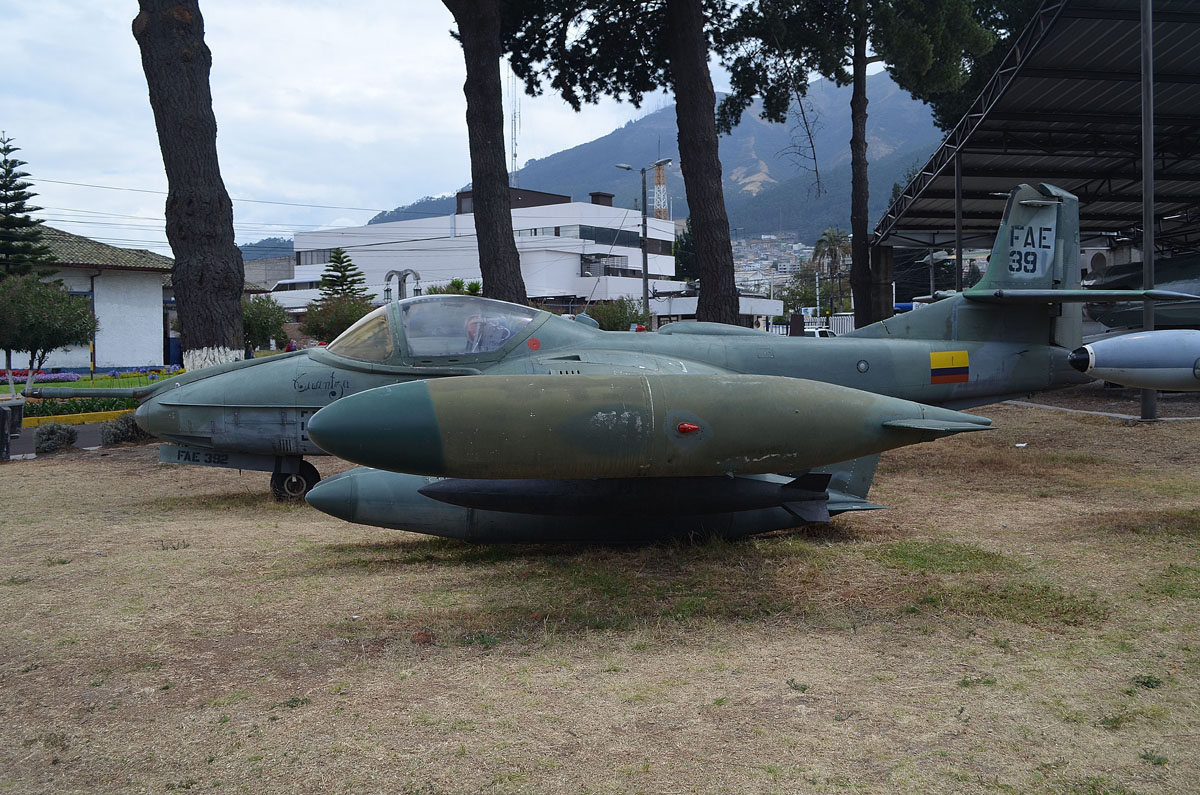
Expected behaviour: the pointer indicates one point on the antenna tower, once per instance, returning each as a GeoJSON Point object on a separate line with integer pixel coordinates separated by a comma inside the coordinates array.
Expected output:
{"type": "Point", "coordinates": [660, 193]}
{"type": "Point", "coordinates": [515, 127]}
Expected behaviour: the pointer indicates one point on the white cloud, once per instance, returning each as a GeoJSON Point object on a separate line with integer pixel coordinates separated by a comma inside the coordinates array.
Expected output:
{"type": "Point", "coordinates": [317, 103]}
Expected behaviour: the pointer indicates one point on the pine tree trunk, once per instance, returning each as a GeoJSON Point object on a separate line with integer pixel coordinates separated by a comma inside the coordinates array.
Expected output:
{"type": "Point", "coordinates": [860, 249]}
{"type": "Point", "coordinates": [208, 275]}
{"type": "Point", "coordinates": [695, 113]}
{"type": "Point", "coordinates": [499, 264]}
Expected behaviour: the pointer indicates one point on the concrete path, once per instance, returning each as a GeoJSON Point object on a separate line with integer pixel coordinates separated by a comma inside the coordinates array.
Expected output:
{"type": "Point", "coordinates": [89, 436]}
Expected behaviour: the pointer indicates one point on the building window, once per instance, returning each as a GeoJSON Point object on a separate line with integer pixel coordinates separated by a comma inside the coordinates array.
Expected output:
{"type": "Point", "coordinates": [601, 265]}
{"type": "Point", "coordinates": [604, 236]}
{"type": "Point", "coordinates": [317, 256]}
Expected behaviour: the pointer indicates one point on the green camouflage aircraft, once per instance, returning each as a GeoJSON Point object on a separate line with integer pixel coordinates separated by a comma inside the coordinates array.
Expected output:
{"type": "Point", "coordinates": [698, 427]}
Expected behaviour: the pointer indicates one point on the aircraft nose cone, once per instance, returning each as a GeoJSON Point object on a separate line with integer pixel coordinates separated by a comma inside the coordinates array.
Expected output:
{"type": "Point", "coordinates": [1080, 359]}
{"type": "Point", "coordinates": [336, 496]}
{"type": "Point", "coordinates": [392, 427]}
{"type": "Point", "coordinates": [141, 417]}
{"type": "Point", "coordinates": [151, 418]}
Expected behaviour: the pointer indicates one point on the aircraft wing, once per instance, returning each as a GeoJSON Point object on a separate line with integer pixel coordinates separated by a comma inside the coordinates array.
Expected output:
{"type": "Point", "coordinates": [615, 454]}
{"type": "Point", "coordinates": [1019, 296]}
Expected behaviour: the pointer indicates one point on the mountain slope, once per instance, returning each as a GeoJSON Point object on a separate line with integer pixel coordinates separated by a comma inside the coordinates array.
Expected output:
{"type": "Point", "coordinates": [767, 188]}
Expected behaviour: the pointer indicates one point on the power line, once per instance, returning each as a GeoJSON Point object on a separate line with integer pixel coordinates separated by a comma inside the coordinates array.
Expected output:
{"type": "Point", "coordinates": [250, 201]}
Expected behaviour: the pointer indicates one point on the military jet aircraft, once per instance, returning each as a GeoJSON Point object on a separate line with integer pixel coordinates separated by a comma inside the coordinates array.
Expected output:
{"type": "Point", "coordinates": [699, 428]}
{"type": "Point", "coordinates": [1008, 336]}
{"type": "Point", "coordinates": [1178, 274]}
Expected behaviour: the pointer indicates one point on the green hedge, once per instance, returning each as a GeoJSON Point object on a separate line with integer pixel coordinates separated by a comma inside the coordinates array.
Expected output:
{"type": "Point", "coordinates": [52, 407]}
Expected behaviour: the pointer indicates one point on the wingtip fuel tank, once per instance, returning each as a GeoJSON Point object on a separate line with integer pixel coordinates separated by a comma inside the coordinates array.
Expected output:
{"type": "Point", "coordinates": [1167, 359]}
{"type": "Point", "coordinates": [613, 511]}
{"type": "Point", "coordinates": [621, 426]}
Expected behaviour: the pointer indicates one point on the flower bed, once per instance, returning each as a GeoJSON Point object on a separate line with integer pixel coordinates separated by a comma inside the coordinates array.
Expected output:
{"type": "Point", "coordinates": [41, 378]}
{"type": "Point", "coordinates": [52, 407]}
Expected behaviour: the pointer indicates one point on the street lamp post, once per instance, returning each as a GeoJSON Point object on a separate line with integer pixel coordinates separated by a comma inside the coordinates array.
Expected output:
{"type": "Point", "coordinates": [645, 240]}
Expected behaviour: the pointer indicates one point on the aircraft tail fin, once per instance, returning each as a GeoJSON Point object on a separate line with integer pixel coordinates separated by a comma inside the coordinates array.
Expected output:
{"type": "Point", "coordinates": [1034, 261]}
{"type": "Point", "coordinates": [849, 484]}
{"type": "Point", "coordinates": [1037, 245]}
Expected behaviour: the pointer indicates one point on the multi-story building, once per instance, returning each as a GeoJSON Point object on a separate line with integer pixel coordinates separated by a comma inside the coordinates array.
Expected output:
{"type": "Point", "coordinates": [572, 253]}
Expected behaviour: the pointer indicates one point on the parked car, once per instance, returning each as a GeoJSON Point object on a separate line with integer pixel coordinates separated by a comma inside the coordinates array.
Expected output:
{"type": "Point", "coordinates": [819, 332]}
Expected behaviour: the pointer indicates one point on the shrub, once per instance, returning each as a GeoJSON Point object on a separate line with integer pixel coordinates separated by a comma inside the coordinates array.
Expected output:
{"type": "Point", "coordinates": [53, 436]}
{"type": "Point", "coordinates": [122, 429]}
{"type": "Point", "coordinates": [618, 315]}
{"type": "Point", "coordinates": [50, 407]}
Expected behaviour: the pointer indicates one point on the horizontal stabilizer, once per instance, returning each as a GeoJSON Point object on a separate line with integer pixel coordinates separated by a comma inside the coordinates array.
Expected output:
{"type": "Point", "coordinates": [938, 428]}
{"type": "Point", "coordinates": [840, 502]}
{"type": "Point", "coordinates": [1018, 296]}
{"type": "Point", "coordinates": [815, 511]}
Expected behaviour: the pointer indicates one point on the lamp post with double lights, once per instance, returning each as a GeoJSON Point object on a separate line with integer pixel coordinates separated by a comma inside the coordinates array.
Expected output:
{"type": "Point", "coordinates": [645, 240]}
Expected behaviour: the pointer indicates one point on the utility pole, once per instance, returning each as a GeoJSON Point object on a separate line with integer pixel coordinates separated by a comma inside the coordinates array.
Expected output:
{"type": "Point", "coordinates": [658, 165]}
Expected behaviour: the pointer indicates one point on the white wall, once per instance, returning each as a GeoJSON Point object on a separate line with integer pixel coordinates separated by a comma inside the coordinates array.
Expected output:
{"type": "Point", "coordinates": [129, 307]}
{"type": "Point", "coordinates": [445, 248]}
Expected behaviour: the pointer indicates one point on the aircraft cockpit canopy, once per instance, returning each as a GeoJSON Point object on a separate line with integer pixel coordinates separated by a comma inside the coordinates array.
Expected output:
{"type": "Point", "coordinates": [370, 339]}
{"type": "Point", "coordinates": [461, 325]}
{"type": "Point", "coordinates": [438, 326]}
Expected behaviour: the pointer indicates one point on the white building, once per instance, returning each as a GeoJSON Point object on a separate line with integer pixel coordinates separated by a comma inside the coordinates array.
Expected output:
{"type": "Point", "coordinates": [125, 287]}
{"type": "Point", "coordinates": [571, 252]}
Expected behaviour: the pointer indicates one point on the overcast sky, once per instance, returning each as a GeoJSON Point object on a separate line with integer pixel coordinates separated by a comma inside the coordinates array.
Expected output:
{"type": "Point", "coordinates": [350, 105]}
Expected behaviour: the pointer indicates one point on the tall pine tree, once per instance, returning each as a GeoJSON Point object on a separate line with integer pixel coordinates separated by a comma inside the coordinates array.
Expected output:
{"type": "Point", "coordinates": [479, 32]}
{"type": "Point", "coordinates": [342, 278]}
{"type": "Point", "coordinates": [21, 246]}
{"type": "Point", "coordinates": [208, 274]}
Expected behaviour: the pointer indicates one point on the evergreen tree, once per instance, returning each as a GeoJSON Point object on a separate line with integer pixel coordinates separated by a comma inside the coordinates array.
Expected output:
{"type": "Point", "coordinates": [342, 278]}
{"type": "Point", "coordinates": [262, 321]}
{"type": "Point", "coordinates": [40, 318]}
{"type": "Point", "coordinates": [685, 254]}
{"type": "Point", "coordinates": [21, 245]}
{"type": "Point", "coordinates": [329, 317]}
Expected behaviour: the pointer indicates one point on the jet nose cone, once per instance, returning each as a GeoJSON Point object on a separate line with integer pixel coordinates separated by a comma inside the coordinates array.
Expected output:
{"type": "Point", "coordinates": [142, 416]}
{"type": "Point", "coordinates": [1080, 359]}
{"type": "Point", "coordinates": [392, 427]}
{"type": "Point", "coordinates": [151, 418]}
{"type": "Point", "coordinates": [336, 496]}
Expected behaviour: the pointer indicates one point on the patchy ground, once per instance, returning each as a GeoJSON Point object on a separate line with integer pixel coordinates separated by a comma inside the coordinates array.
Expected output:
{"type": "Point", "coordinates": [1024, 619]}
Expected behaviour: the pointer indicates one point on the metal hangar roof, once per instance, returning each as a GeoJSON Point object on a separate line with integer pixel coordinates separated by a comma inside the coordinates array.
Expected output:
{"type": "Point", "coordinates": [1065, 108]}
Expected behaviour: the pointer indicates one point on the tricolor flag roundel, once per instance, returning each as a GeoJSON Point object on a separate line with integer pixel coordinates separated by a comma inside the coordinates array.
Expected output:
{"type": "Point", "coordinates": [949, 367]}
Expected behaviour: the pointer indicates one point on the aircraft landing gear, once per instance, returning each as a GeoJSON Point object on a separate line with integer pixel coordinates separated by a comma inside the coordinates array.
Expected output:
{"type": "Point", "coordinates": [294, 485]}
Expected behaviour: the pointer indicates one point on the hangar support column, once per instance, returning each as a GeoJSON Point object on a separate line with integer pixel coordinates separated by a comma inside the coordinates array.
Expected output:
{"type": "Point", "coordinates": [882, 265]}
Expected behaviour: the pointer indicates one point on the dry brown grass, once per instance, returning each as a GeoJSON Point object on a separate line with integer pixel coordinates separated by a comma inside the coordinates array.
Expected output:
{"type": "Point", "coordinates": [1022, 620]}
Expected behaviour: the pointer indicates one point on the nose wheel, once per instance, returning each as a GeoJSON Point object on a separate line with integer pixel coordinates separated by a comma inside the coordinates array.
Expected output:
{"type": "Point", "coordinates": [294, 485]}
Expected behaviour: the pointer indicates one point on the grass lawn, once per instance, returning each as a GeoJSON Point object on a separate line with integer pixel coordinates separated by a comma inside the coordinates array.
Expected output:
{"type": "Point", "coordinates": [1023, 619]}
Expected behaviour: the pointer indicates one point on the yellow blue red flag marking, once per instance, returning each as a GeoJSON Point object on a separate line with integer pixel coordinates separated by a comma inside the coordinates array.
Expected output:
{"type": "Point", "coordinates": [949, 367]}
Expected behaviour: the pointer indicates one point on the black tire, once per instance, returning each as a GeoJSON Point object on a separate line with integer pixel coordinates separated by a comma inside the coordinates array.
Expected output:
{"type": "Point", "coordinates": [293, 486]}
